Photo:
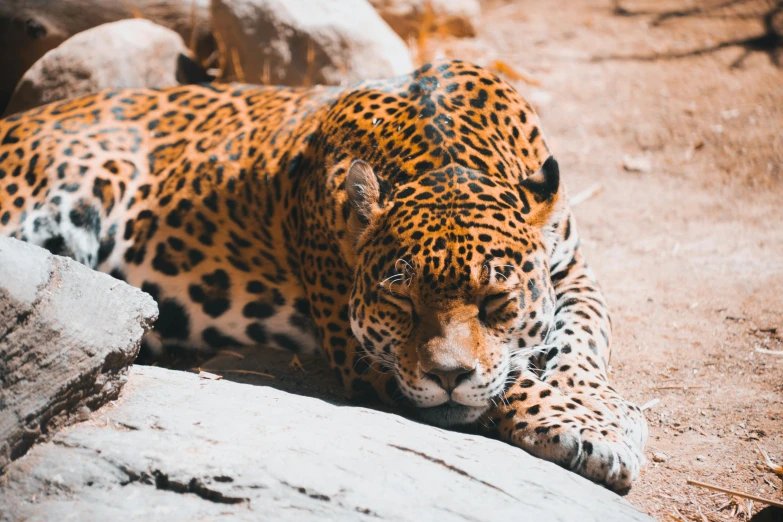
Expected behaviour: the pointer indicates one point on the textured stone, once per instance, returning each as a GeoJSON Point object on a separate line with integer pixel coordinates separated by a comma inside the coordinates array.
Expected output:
{"type": "Point", "coordinates": [177, 447]}
{"type": "Point", "coordinates": [67, 337]}
{"type": "Point", "coordinates": [32, 27]}
{"type": "Point", "coordinates": [301, 42]}
{"type": "Point", "coordinates": [410, 17]}
{"type": "Point", "coordinates": [119, 55]}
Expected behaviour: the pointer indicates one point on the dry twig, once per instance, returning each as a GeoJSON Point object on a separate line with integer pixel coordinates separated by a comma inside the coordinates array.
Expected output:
{"type": "Point", "coordinates": [769, 352]}
{"type": "Point", "coordinates": [678, 387]}
{"type": "Point", "coordinates": [775, 468]}
{"type": "Point", "coordinates": [250, 372]}
{"type": "Point", "coordinates": [208, 375]}
{"type": "Point", "coordinates": [678, 517]}
{"type": "Point", "coordinates": [296, 364]}
{"type": "Point", "coordinates": [232, 353]}
{"type": "Point", "coordinates": [735, 493]}
{"type": "Point", "coordinates": [649, 404]}
{"type": "Point", "coordinates": [587, 194]}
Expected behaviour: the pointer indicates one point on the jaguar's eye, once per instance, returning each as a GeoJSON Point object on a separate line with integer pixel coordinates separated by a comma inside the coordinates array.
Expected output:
{"type": "Point", "coordinates": [492, 303]}
{"type": "Point", "coordinates": [397, 300]}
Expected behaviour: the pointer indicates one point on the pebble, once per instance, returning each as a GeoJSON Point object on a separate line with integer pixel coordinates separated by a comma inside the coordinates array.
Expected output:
{"type": "Point", "coordinates": [539, 98]}
{"type": "Point", "coordinates": [637, 164]}
{"type": "Point", "coordinates": [659, 456]}
{"type": "Point", "coordinates": [83, 413]}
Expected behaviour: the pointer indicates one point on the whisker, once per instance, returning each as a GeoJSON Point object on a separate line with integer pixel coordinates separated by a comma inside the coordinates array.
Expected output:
{"type": "Point", "coordinates": [541, 348]}
{"type": "Point", "coordinates": [396, 277]}
{"type": "Point", "coordinates": [407, 265]}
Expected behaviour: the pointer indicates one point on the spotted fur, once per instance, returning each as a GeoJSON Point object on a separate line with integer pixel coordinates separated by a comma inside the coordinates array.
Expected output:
{"type": "Point", "coordinates": [415, 230]}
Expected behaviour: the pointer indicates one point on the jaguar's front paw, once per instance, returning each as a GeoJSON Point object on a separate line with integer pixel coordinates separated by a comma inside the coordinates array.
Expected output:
{"type": "Point", "coordinates": [604, 458]}
{"type": "Point", "coordinates": [568, 434]}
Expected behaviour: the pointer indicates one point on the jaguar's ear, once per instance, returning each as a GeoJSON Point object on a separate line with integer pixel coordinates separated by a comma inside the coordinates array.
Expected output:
{"type": "Point", "coordinates": [545, 183]}
{"type": "Point", "coordinates": [364, 191]}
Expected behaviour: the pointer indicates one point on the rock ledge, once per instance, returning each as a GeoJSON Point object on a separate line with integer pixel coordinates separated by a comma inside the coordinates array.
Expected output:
{"type": "Point", "coordinates": [178, 447]}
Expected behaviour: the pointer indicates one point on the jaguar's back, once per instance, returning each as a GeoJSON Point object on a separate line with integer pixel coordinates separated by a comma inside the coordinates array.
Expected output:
{"type": "Point", "coordinates": [146, 184]}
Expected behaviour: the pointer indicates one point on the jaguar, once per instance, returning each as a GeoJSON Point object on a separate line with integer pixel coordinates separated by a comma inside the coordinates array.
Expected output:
{"type": "Point", "coordinates": [416, 231]}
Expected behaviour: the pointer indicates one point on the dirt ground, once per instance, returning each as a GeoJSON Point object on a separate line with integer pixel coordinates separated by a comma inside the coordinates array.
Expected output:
{"type": "Point", "coordinates": [689, 253]}
{"type": "Point", "coordinates": [689, 250]}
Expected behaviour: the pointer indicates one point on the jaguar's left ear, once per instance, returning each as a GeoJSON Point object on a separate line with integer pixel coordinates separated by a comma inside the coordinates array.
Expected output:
{"type": "Point", "coordinates": [545, 183]}
{"type": "Point", "coordinates": [363, 190]}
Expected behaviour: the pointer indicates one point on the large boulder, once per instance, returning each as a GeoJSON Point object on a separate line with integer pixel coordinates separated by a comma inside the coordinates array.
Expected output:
{"type": "Point", "coordinates": [67, 337]}
{"type": "Point", "coordinates": [301, 42]}
{"type": "Point", "coordinates": [126, 54]}
{"type": "Point", "coordinates": [30, 28]}
{"type": "Point", "coordinates": [179, 447]}
{"type": "Point", "coordinates": [412, 17]}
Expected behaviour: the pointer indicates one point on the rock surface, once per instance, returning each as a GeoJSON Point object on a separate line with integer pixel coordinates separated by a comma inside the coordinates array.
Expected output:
{"type": "Point", "coordinates": [32, 27]}
{"type": "Point", "coordinates": [301, 42]}
{"type": "Point", "coordinates": [119, 55]}
{"type": "Point", "coordinates": [409, 17]}
{"type": "Point", "coordinates": [67, 338]}
{"type": "Point", "coordinates": [178, 447]}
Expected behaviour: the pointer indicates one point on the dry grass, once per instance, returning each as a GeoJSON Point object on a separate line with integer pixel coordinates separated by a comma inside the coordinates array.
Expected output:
{"type": "Point", "coordinates": [192, 43]}
{"type": "Point", "coordinates": [193, 34]}
{"type": "Point", "coordinates": [504, 69]}
{"type": "Point", "coordinates": [212, 373]}
{"type": "Point", "coordinates": [237, 63]}
{"type": "Point", "coordinates": [430, 42]}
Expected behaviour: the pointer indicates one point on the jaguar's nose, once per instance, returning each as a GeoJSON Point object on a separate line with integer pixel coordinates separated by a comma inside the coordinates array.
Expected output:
{"type": "Point", "coordinates": [450, 378]}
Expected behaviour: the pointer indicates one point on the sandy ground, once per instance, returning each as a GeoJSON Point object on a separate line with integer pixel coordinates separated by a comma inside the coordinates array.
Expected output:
{"type": "Point", "coordinates": [689, 251]}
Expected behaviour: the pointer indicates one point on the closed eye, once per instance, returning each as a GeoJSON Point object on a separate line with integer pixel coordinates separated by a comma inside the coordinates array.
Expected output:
{"type": "Point", "coordinates": [396, 300]}
{"type": "Point", "coordinates": [492, 303]}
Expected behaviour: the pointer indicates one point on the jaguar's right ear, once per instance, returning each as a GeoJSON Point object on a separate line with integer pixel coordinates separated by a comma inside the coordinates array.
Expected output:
{"type": "Point", "coordinates": [545, 183]}
{"type": "Point", "coordinates": [364, 191]}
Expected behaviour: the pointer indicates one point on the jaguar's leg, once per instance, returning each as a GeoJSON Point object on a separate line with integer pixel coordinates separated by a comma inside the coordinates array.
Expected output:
{"type": "Point", "coordinates": [568, 412]}
{"type": "Point", "coordinates": [581, 342]}
{"type": "Point", "coordinates": [541, 419]}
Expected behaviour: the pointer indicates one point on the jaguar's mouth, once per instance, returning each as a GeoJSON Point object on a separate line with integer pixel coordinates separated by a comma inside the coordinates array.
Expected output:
{"type": "Point", "coordinates": [451, 413]}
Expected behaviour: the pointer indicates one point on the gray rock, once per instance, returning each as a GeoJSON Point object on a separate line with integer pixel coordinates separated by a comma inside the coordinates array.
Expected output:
{"type": "Point", "coordinates": [409, 18]}
{"type": "Point", "coordinates": [32, 27]}
{"type": "Point", "coordinates": [301, 42]}
{"type": "Point", "coordinates": [67, 337]}
{"type": "Point", "coordinates": [177, 447]}
{"type": "Point", "coordinates": [119, 55]}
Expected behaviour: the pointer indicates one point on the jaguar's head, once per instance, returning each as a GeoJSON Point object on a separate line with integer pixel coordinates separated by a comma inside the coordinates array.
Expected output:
{"type": "Point", "coordinates": [452, 291]}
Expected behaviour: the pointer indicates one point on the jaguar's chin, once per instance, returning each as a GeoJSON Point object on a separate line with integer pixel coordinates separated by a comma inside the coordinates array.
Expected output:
{"type": "Point", "coordinates": [451, 414]}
